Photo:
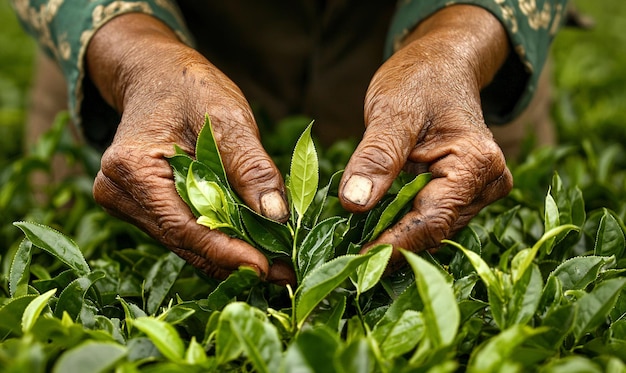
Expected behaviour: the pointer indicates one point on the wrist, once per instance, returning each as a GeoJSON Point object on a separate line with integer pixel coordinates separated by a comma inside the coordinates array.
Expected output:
{"type": "Point", "coordinates": [123, 50]}
{"type": "Point", "coordinates": [465, 33]}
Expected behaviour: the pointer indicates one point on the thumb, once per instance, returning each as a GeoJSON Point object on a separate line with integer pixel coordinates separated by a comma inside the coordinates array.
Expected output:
{"type": "Point", "coordinates": [374, 165]}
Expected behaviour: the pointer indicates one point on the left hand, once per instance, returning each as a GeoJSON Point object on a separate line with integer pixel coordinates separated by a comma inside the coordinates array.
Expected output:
{"type": "Point", "coordinates": [423, 113]}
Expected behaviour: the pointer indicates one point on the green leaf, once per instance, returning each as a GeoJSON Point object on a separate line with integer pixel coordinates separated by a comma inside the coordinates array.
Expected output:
{"type": "Point", "coordinates": [594, 307]}
{"type": "Point", "coordinates": [19, 275]}
{"type": "Point", "coordinates": [400, 336]}
{"type": "Point", "coordinates": [313, 350]}
{"type": "Point", "coordinates": [180, 167]}
{"type": "Point", "coordinates": [257, 336]}
{"type": "Point", "coordinates": [304, 173]}
{"type": "Point", "coordinates": [164, 337]}
{"type": "Point", "coordinates": [207, 150]}
{"type": "Point", "coordinates": [317, 247]}
{"type": "Point", "coordinates": [266, 233]}
{"type": "Point", "coordinates": [34, 309]}
{"type": "Point", "coordinates": [499, 350]}
{"type": "Point", "coordinates": [551, 220]}
{"type": "Point", "coordinates": [207, 196]}
{"type": "Point", "coordinates": [369, 273]}
{"type": "Point", "coordinates": [525, 297]}
{"type": "Point", "coordinates": [610, 237]}
{"type": "Point", "coordinates": [11, 314]}
{"type": "Point", "coordinates": [441, 311]}
{"type": "Point", "coordinates": [160, 279]}
{"type": "Point", "coordinates": [195, 353]}
{"type": "Point", "coordinates": [72, 298]}
{"type": "Point", "coordinates": [237, 282]}
{"type": "Point", "coordinates": [482, 269]}
{"type": "Point", "coordinates": [321, 281]}
{"type": "Point", "coordinates": [571, 364]}
{"type": "Point", "coordinates": [56, 244]}
{"type": "Point", "coordinates": [404, 196]}
{"type": "Point", "coordinates": [578, 272]}
{"type": "Point", "coordinates": [357, 356]}
{"type": "Point", "coordinates": [90, 357]}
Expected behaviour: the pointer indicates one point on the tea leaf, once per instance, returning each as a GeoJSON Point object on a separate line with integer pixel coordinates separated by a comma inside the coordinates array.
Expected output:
{"type": "Point", "coordinates": [441, 311]}
{"type": "Point", "coordinates": [596, 305]}
{"type": "Point", "coordinates": [317, 247]}
{"type": "Point", "coordinates": [55, 243]}
{"type": "Point", "coordinates": [313, 350]}
{"type": "Point", "coordinates": [404, 196]}
{"type": "Point", "coordinates": [90, 357]}
{"type": "Point", "coordinates": [610, 237]}
{"type": "Point", "coordinates": [72, 298]}
{"type": "Point", "coordinates": [321, 281]}
{"type": "Point", "coordinates": [240, 280]}
{"type": "Point", "coordinates": [20, 272]}
{"type": "Point", "coordinates": [304, 173]}
{"type": "Point", "coordinates": [482, 269]}
{"type": "Point", "coordinates": [164, 337]}
{"type": "Point", "coordinates": [577, 273]}
{"type": "Point", "coordinates": [208, 152]}
{"type": "Point", "coordinates": [180, 168]}
{"type": "Point", "coordinates": [401, 336]}
{"type": "Point", "coordinates": [160, 279]}
{"type": "Point", "coordinates": [268, 234]}
{"type": "Point", "coordinates": [369, 273]}
{"type": "Point", "coordinates": [34, 309]}
{"type": "Point", "coordinates": [551, 220]}
{"type": "Point", "coordinates": [258, 337]}
{"type": "Point", "coordinates": [525, 297]}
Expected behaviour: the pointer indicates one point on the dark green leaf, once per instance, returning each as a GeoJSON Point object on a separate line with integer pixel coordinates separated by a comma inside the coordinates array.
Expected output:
{"type": "Point", "coordinates": [594, 307]}
{"type": "Point", "coordinates": [72, 298]}
{"type": "Point", "coordinates": [317, 247]}
{"type": "Point", "coordinates": [313, 350]}
{"type": "Point", "coordinates": [610, 237]}
{"type": "Point", "coordinates": [180, 167]}
{"type": "Point", "coordinates": [357, 356]}
{"type": "Point", "coordinates": [11, 314]}
{"type": "Point", "coordinates": [268, 234]}
{"type": "Point", "coordinates": [56, 244]}
{"type": "Point", "coordinates": [160, 280]}
{"type": "Point", "coordinates": [19, 274]}
{"type": "Point", "coordinates": [577, 273]}
{"type": "Point", "coordinates": [525, 297]}
{"type": "Point", "coordinates": [239, 281]}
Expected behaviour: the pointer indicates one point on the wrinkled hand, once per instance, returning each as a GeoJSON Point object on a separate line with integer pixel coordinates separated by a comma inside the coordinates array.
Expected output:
{"type": "Point", "coordinates": [423, 113]}
{"type": "Point", "coordinates": [163, 90]}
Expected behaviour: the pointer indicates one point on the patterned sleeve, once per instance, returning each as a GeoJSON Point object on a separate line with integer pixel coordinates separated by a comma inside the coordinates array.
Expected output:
{"type": "Point", "coordinates": [531, 26]}
{"type": "Point", "coordinates": [63, 29]}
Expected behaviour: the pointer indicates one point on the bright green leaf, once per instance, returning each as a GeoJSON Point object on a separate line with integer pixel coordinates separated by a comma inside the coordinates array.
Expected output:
{"type": "Point", "coordinates": [164, 337]}
{"type": "Point", "coordinates": [207, 150]}
{"type": "Point", "coordinates": [313, 350]}
{"type": "Point", "coordinates": [304, 173]}
{"type": "Point", "coordinates": [34, 309]}
{"type": "Point", "coordinates": [610, 237]}
{"type": "Point", "coordinates": [401, 336]}
{"type": "Point", "coordinates": [56, 244]}
{"type": "Point", "coordinates": [578, 272]}
{"type": "Point", "coordinates": [594, 307]}
{"type": "Point", "coordinates": [441, 311]}
{"type": "Point", "coordinates": [482, 269]}
{"type": "Point", "coordinates": [369, 273]}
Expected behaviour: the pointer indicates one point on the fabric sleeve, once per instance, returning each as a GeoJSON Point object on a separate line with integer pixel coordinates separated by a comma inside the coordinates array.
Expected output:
{"type": "Point", "coordinates": [63, 29]}
{"type": "Point", "coordinates": [531, 25]}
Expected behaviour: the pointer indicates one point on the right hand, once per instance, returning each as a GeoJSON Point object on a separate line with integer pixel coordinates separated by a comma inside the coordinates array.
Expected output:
{"type": "Point", "coordinates": [163, 89]}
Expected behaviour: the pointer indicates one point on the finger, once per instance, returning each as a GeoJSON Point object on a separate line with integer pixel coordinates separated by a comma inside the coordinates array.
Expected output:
{"type": "Point", "coordinates": [376, 162]}
{"type": "Point", "coordinates": [137, 186]}
{"type": "Point", "coordinates": [249, 168]}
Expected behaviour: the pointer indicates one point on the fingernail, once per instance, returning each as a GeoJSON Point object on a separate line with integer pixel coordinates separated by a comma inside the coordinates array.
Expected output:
{"type": "Point", "coordinates": [358, 189]}
{"type": "Point", "coordinates": [273, 206]}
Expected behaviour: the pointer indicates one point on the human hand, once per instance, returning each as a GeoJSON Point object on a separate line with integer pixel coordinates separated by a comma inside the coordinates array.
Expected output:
{"type": "Point", "coordinates": [423, 113]}
{"type": "Point", "coordinates": [163, 90]}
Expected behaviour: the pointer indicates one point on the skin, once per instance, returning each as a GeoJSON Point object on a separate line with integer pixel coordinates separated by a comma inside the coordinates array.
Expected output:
{"type": "Point", "coordinates": [422, 112]}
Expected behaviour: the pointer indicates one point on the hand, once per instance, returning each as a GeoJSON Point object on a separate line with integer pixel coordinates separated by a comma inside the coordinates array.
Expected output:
{"type": "Point", "coordinates": [163, 90]}
{"type": "Point", "coordinates": [423, 113]}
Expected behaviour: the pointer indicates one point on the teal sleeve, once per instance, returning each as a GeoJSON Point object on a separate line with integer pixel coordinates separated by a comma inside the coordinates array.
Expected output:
{"type": "Point", "coordinates": [531, 25]}
{"type": "Point", "coordinates": [63, 29]}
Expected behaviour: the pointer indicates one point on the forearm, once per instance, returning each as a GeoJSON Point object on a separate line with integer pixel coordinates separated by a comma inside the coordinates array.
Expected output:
{"type": "Point", "coordinates": [465, 32]}
{"type": "Point", "coordinates": [124, 49]}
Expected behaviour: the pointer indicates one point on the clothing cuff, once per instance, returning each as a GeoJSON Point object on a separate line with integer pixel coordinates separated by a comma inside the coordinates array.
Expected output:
{"type": "Point", "coordinates": [530, 25]}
